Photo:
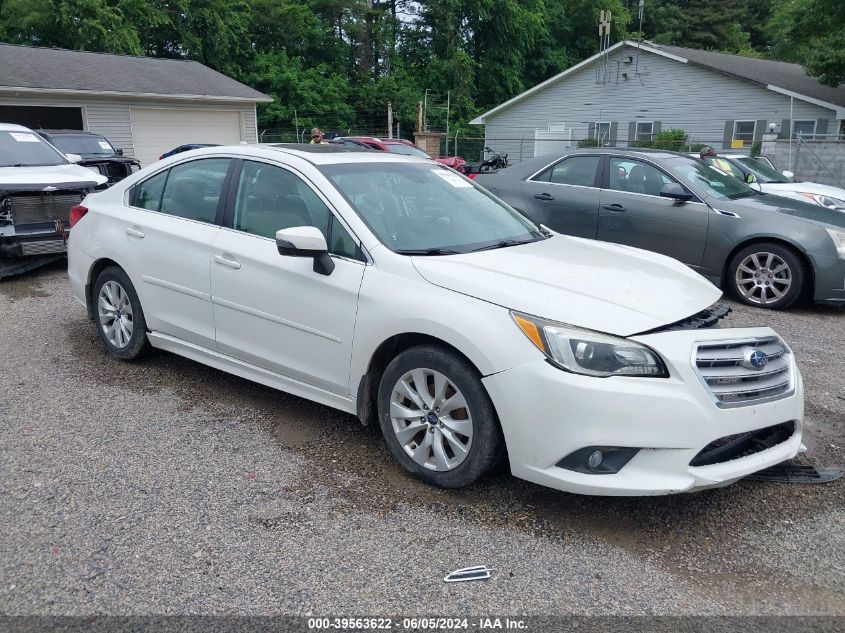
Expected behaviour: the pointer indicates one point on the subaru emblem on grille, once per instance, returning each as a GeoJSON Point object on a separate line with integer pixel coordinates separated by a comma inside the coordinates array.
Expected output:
{"type": "Point", "coordinates": [754, 359]}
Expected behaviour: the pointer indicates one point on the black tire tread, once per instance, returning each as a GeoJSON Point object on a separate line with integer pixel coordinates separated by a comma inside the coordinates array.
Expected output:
{"type": "Point", "coordinates": [139, 344]}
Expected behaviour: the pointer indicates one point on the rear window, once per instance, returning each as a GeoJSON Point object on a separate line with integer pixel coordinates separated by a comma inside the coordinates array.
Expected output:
{"type": "Point", "coordinates": [83, 144]}
{"type": "Point", "coordinates": [27, 149]}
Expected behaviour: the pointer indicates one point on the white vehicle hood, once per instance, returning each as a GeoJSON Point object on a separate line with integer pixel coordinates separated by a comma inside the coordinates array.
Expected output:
{"type": "Point", "coordinates": [596, 285]}
{"type": "Point", "coordinates": [54, 175]}
{"type": "Point", "coordinates": [787, 188]}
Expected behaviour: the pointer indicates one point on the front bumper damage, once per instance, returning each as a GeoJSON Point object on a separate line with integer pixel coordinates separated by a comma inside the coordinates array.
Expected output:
{"type": "Point", "coordinates": [673, 423]}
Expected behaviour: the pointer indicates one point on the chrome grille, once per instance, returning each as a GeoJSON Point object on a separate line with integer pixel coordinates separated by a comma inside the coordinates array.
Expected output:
{"type": "Point", "coordinates": [43, 207]}
{"type": "Point", "coordinates": [725, 369]}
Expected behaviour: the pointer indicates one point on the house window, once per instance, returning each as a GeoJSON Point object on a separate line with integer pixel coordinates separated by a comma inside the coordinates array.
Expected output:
{"type": "Point", "coordinates": [645, 130]}
{"type": "Point", "coordinates": [602, 133]}
{"type": "Point", "coordinates": [744, 131]}
{"type": "Point", "coordinates": [807, 129]}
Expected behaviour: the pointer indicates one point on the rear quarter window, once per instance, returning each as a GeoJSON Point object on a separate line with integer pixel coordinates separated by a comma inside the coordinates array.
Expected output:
{"type": "Point", "coordinates": [147, 194]}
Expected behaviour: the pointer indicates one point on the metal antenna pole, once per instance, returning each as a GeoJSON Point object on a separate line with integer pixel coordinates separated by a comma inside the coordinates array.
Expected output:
{"type": "Point", "coordinates": [640, 38]}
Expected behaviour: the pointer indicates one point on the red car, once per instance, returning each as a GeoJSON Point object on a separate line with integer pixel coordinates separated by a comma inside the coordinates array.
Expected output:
{"type": "Point", "coordinates": [397, 146]}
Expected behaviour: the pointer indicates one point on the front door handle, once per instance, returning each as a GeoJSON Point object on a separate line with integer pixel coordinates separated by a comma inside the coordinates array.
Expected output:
{"type": "Point", "coordinates": [544, 196]}
{"type": "Point", "coordinates": [616, 208]}
{"type": "Point", "coordinates": [132, 231]}
{"type": "Point", "coordinates": [229, 263]}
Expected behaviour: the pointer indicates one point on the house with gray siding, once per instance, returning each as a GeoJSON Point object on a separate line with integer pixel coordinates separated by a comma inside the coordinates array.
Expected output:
{"type": "Point", "coordinates": [143, 105]}
{"type": "Point", "coordinates": [637, 89]}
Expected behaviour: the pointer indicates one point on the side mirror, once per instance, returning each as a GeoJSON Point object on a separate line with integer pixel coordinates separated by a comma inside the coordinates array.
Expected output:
{"type": "Point", "coordinates": [675, 191]}
{"type": "Point", "coordinates": [750, 178]}
{"type": "Point", "coordinates": [74, 158]}
{"type": "Point", "coordinates": [788, 174]}
{"type": "Point", "coordinates": [119, 152]}
{"type": "Point", "coordinates": [306, 241]}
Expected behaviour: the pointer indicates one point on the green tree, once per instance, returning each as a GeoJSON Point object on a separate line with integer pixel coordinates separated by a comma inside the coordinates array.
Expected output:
{"type": "Point", "coordinates": [811, 32]}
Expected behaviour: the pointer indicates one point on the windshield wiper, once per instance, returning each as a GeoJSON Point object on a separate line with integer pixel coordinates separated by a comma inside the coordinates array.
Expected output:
{"type": "Point", "coordinates": [502, 244]}
{"type": "Point", "coordinates": [427, 251]}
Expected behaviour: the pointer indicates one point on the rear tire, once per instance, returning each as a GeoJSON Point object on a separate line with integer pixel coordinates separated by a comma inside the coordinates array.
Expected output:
{"type": "Point", "coordinates": [767, 275]}
{"type": "Point", "coordinates": [436, 417]}
{"type": "Point", "coordinates": [118, 315]}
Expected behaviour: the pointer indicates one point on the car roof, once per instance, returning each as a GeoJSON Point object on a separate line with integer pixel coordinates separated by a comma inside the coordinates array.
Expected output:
{"type": "Point", "coordinates": [317, 154]}
{"type": "Point", "coordinates": [66, 131]}
{"type": "Point", "coordinates": [13, 127]}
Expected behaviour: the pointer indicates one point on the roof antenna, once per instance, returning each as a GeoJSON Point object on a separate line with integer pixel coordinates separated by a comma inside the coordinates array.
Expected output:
{"type": "Point", "coordinates": [640, 39]}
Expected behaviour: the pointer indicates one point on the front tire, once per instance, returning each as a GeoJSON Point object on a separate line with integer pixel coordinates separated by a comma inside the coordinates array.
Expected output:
{"type": "Point", "coordinates": [118, 315]}
{"type": "Point", "coordinates": [767, 275]}
{"type": "Point", "coordinates": [436, 417]}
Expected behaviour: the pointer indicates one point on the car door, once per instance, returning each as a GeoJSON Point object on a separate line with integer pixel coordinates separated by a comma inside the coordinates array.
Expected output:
{"type": "Point", "coordinates": [166, 239]}
{"type": "Point", "coordinates": [633, 212]}
{"type": "Point", "coordinates": [275, 311]}
{"type": "Point", "coordinates": [565, 196]}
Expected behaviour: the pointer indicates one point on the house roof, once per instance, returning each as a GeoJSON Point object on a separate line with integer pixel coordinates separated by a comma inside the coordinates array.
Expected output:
{"type": "Point", "coordinates": [788, 79]}
{"type": "Point", "coordinates": [55, 70]}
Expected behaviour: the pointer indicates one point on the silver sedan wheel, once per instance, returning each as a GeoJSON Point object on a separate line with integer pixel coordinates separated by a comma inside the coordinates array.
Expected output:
{"type": "Point", "coordinates": [115, 312]}
{"type": "Point", "coordinates": [763, 278]}
{"type": "Point", "coordinates": [431, 419]}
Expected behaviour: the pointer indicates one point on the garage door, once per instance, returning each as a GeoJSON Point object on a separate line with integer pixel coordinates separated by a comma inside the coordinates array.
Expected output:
{"type": "Point", "coordinates": [158, 130]}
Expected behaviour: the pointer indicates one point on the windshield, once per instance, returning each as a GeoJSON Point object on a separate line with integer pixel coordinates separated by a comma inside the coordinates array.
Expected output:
{"type": "Point", "coordinates": [407, 150]}
{"type": "Point", "coordinates": [27, 149]}
{"type": "Point", "coordinates": [83, 144]}
{"type": "Point", "coordinates": [427, 209]}
{"type": "Point", "coordinates": [762, 171]}
{"type": "Point", "coordinates": [707, 179]}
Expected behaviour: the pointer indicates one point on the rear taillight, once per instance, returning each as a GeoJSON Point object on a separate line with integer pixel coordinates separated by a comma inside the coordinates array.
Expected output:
{"type": "Point", "coordinates": [77, 212]}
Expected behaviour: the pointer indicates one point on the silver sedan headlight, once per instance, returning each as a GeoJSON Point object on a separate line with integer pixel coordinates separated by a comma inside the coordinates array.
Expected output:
{"type": "Point", "coordinates": [826, 201]}
{"type": "Point", "coordinates": [590, 353]}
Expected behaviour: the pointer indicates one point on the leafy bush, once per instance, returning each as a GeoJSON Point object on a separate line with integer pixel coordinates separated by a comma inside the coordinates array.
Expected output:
{"type": "Point", "coordinates": [588, 142]}
{"type": "Point", "coordinates": [756, 147]}
{"type": "Point", "coordinates": [674, 140]}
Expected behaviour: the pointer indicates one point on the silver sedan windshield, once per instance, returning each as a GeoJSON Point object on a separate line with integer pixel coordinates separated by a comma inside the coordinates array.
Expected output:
{"type": "Point", "coordinates": [427, 209]}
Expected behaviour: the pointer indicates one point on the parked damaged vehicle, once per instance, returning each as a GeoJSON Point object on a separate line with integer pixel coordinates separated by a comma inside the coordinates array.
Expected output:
{"type": "Point", "coordinates": [430, 308]}
{"type": "Point", "coordinates": [96, 151]}
{"type": "Point", "coordinates": [39, 186]}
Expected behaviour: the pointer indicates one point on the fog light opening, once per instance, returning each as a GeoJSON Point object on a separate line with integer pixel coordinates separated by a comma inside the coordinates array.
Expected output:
{"type": "Point", "coordinates": [598, 460]}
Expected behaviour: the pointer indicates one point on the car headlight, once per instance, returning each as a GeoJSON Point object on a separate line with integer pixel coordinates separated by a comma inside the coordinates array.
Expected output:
{"type": "Point", "coordinates": [826, 201]}
{"type": "Point", "coordinates": [590, 353]}
{"type": "Point", "coordinates": [838, 238]}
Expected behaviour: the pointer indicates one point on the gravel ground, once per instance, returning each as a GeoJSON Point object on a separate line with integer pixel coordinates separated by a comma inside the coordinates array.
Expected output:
{"type": "Point", "coordinates": [167, 487]}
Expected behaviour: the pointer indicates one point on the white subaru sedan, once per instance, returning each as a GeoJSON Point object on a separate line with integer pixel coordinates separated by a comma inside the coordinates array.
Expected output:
{"type": "Point", "coordinates": [397, 290]}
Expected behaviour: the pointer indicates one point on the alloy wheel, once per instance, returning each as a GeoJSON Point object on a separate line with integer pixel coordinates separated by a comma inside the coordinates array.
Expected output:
{"type": "Point", "coordinates": [115, 314]}
{"type": "Point", "coordinates": [431, 419]}
{"type": "Point", "coordinates": [763, 278]}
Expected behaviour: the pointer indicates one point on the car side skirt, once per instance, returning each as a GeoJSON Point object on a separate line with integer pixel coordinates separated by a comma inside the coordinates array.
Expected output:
{"type": "Point", "coordinates": [250, 372]}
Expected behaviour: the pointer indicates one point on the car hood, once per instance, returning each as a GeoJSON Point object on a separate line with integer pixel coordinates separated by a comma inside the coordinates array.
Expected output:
{"type": "Point", "coordinates": [605, 287]}
{"type": "Point", "coordinates": [772, 203]}
{"type": "Point", "coordinates": [59, 176]}
{"type": "Point", "coordinates": [783, 188]}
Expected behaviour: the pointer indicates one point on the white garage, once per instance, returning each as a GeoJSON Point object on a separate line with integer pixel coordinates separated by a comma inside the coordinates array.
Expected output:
{"type": "Point", "coordinates": [157, 130]}
{"type": "Point", "coordinates": [145, 106]}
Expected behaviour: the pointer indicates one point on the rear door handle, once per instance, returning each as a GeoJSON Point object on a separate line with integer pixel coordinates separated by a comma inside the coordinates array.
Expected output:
{"type": "Point", "coordinates": [131, 230]}
{"type": "Point", "coordinates": [544, 196]}
{"type": "Point", "coordinates": [616, 208]}
{"type": "Point", "coordinates": [229, 263]}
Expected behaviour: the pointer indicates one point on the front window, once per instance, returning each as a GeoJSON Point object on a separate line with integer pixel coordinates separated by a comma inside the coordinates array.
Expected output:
{"type": "Point", "coordinates": [27, 149]}
{"type": "Point", "coordinates": [406, 150]}
{"type": "Point", "coordinates": [634, 176]}
{"type": "Point", "coordinates": [762, 171]}
{"type": "Point", "coordinates": [706, 179]}
{"type": "Point", "coordinates": [645, 130]}
{"type": "Point", "coordinates": [83, 145]}
{"type": "Point", "coordinates": [805, 129]}
{"type": "Point", "coordinates": [426, 209]}
{"type": "Point", "coordinates": [744, 131]}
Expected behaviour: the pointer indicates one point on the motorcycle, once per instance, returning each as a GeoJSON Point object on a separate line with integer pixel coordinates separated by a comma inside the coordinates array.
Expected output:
{"type": "Point", "coordinates": [496, 162]}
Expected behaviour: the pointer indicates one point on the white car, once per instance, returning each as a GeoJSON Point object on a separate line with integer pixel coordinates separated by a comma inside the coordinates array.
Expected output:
{"type": "Point", "coordinates": [38, 187]}
{"type": "Point", "coordinates": [761, 173]}
{"type": "Point", "coordinates": [397, 290]}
